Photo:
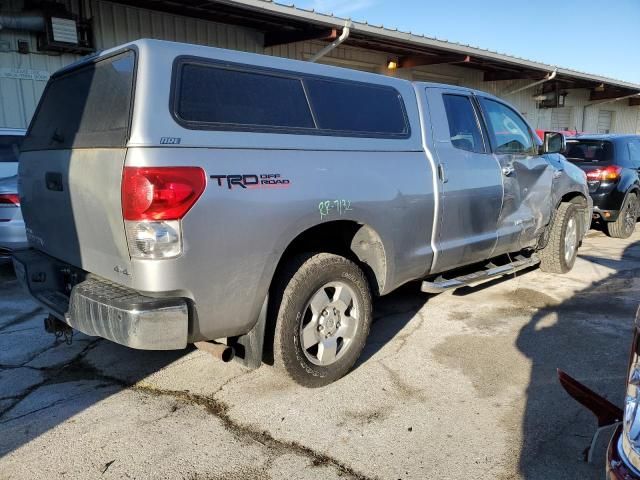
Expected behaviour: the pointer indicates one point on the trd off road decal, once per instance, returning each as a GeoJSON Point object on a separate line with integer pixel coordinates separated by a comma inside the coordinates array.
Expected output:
{"type": "Point", "coordinates": [252, 181]}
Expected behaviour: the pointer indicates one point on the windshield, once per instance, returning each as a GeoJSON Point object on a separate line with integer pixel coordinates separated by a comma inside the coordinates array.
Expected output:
{"type": "Point", "coordinates": [9, 148]}
{"type": "Point", "coordinates": [86, 107]}
{"type": "Point", "coordinates": [589, 151]}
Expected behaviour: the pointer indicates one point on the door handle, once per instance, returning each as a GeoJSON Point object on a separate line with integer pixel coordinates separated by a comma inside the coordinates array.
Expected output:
{"type": "Point", "coordinates": [442, 173]}
{"type": "Point", "coordinates": [507, 170]}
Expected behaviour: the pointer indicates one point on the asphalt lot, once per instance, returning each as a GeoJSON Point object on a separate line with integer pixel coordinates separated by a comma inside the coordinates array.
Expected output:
{"type": "Point", "coordinates": [460, 385]}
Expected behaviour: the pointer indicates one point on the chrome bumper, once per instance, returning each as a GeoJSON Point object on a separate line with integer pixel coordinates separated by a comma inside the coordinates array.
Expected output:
{"type": "Point", "coordinates": [103, 309]}
{"type": "Point", "coordinates": [98, 307]}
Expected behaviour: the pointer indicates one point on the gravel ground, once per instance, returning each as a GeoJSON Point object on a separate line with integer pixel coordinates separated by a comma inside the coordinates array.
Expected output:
{"type": "Point", "coordinates": [459, 385]}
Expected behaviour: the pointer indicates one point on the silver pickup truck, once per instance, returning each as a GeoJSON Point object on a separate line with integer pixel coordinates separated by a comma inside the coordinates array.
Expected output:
{"type": "Point", "coordinates": [178, 194]}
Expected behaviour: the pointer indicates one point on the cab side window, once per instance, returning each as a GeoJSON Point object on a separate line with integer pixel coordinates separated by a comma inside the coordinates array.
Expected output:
{"type": "Point", "coordinates": [463, 123]}
{"type": "Point", "coordinates": [508, 131]}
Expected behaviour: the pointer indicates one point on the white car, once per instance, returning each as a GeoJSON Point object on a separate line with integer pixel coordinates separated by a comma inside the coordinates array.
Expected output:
{"type": "Point", "coordinates": [12, 232]}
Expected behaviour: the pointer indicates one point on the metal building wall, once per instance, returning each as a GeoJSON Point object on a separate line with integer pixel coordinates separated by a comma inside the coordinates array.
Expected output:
{"type": "Point", "coordinates": [627, 119]}
{"type": "Point", "coordinates": [23, 76]}
{"type": "Point", "coordinates": [116, 24]}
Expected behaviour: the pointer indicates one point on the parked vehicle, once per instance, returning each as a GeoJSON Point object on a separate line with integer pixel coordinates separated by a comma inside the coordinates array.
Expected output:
{"type": "Point", "coordinates": [10, 140]}
{"type": "Point", "coordinates": [612, 163]}
{"type": "Point", "coordinates": [175, 193]}
{"type": "Point", "coordinates": [623, 454]}
{"type": "Point", "coordinates": [12, 232]}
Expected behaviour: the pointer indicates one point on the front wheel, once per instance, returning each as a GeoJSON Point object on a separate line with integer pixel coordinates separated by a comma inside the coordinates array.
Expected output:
{"type": "Point", "coordinates": [559, 255]}
{"type": "Point", "coordinates": [323, 316]}
{"type": "Point", "coordinates": [625, 224]}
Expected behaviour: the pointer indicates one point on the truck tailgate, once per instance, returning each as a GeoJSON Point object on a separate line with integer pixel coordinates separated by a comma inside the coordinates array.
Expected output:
{"type": "Point", "coordinates": [70, 169]}
{"type": "Point", "coordinates": [72, 208]}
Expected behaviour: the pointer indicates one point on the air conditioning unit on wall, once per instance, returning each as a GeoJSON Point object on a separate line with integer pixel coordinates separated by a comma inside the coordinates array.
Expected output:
{"type": "Point", "coordinates": [65, 34]}
{"type": "Point", "coordinates": [551, 96]}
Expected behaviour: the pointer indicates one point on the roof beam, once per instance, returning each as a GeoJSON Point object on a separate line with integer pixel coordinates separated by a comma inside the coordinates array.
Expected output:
{"type": "Point", "coordinates": [411, 61]}
{"type": "Point", "coordinates": [511, 75]}
{"type": "Point", "coordinates": [271, 39]}
{"type": "Point", "coordinates": [606, 94]}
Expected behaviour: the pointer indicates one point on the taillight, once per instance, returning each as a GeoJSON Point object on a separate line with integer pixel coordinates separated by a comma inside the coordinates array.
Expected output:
{"type": "Point", "coordinates": [606, 174]}
{"type": "Point", "coordinates": [154, 199]}
{"type": "Point", "coordinates": [160, 193]}
{"type": "Point", "coordinates": [9, 199]}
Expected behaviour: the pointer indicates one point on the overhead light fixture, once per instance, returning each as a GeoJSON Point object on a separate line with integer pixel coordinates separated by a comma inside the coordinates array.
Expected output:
{"type": "Point", "coordinates": [393, 64]}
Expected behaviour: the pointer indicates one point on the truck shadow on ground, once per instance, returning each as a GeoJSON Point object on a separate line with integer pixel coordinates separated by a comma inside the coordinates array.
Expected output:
{"type": "Point", "coordinates": [589, 337]}
{"type": "Point", "coordinates": [44, 382]}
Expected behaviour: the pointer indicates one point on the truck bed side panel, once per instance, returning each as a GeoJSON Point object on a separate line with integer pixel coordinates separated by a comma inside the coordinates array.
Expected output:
{"type": "Point", "coordinates": [234, 237]}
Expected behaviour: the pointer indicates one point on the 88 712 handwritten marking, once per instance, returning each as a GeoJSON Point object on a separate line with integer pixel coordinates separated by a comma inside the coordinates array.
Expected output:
{"type": "Point", "coordinates": [334, 207]}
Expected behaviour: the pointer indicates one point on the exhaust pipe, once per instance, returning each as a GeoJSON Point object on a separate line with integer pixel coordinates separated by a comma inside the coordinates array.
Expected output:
{"type": "Point", "coordinates": [219, 351]}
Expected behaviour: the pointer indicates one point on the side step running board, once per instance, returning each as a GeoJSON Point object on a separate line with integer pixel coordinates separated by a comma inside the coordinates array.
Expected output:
{"type": "Point", "coordinates": [489, 273]}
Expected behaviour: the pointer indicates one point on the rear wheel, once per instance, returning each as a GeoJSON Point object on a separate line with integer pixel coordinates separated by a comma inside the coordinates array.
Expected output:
{"type": "Point", "coordinates": [323, 316]}
{"type": "Point", "coordinates": [559, 255]}
{"type": "Point", "coordinates": [625, 224]}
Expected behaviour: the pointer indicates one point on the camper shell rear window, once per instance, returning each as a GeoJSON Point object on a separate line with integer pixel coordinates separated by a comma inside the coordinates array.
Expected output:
{"type": "Point", "coordinates": [210, 95]}
{"type": "Point", "coordinates": [87, 106]}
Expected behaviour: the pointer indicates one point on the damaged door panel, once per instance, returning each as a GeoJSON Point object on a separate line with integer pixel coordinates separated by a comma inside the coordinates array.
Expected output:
{"type": "Point", "coordinates": [527, 177]}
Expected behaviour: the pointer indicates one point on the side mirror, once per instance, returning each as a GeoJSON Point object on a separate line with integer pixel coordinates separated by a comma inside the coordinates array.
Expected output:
{"type": "Point", "coordinates": [554, 142]}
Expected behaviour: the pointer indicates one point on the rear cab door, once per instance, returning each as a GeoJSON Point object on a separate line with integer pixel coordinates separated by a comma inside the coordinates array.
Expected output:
{"type": "Point", "coordinates": [469, 179]}
{"type": "Point", "coordinates": [70, 170]}
{"type": "Point", "coordinates": [527, 177]}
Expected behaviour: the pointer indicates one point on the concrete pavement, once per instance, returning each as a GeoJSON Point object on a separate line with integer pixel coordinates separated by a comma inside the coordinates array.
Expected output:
{"type": "Point", "coordinates": [460, 385]}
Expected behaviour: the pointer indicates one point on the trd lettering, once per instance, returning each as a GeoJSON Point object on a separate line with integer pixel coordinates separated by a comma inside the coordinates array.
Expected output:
{"type": "Point", "coordinates": [264, 180]}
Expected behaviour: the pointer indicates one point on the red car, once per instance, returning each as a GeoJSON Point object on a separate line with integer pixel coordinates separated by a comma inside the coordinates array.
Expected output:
{"type": "Point", "coordinates": [566, 133]}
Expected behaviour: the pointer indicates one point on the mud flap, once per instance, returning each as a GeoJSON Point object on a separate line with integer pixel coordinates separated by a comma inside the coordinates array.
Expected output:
{"type": "Point", "coordinates": [249, 347]}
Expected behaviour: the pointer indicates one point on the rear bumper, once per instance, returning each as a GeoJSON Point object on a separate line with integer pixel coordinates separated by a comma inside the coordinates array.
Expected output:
{"type": "Point", "coordinates": [101, 308]}
{"type": "Point", "coordinates": [617, 468]}
{"type": "Point", "coordinates": [607, 204]}
{"type": "Point", "coordinates": [606, 215]}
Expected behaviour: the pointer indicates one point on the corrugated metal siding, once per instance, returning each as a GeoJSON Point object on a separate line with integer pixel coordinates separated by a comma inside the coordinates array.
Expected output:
{"type": "Point", "coordinates": [114, 24]}
{"type": "Point", "coordinates": [19, 98]}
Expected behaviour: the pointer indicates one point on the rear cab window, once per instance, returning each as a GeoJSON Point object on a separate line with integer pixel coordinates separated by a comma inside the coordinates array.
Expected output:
{"type": "Point", "coordinates": [464, 128]}
{"type": "Point", "coordinates": [88, 106]}
{"type": "Point", "coordinates": [210, 96]}
{"type": "Point", "coordinates": [589, 151]}
{"type": "Point", "coordinates": [10, 148]}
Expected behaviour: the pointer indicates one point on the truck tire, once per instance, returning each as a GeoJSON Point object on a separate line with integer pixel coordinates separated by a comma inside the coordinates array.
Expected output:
{"type": "Point", "coordinates": [625, 224]}
{"type": "Point", "coordinates": [322, 308]}
{"type": "Point", "coordinates": [559, 255]}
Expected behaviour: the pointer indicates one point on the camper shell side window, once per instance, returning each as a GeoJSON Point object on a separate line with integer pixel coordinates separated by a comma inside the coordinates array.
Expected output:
{"type": "Point", "coordinates": [212, 95]}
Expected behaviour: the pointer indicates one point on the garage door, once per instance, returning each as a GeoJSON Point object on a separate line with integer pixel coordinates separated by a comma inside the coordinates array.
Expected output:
{"type": "Point", "coordinates": [605, 118]}
{"type": "Point", "coordinates": [561, 118]}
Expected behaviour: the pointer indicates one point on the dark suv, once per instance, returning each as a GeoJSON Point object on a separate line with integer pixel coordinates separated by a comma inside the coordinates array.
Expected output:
{"type": "Point", "coordinates": [611, 163]}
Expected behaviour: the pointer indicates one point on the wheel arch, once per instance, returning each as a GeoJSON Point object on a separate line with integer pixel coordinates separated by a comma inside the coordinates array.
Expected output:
{"type": "Point", "coordinates": [359, 242]}
{"type": "Point", "coordinates": [573, 197]}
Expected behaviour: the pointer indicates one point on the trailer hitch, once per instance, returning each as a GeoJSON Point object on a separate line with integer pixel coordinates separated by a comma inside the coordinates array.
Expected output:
{"type": "Point", "coordinates": [59, 329]}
